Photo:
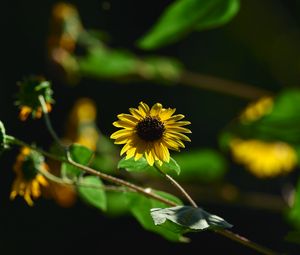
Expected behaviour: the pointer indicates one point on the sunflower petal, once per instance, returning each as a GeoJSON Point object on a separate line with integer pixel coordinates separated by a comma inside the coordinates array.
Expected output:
{"type": "Point", "coordinates": [121, 133]}
{"type": "Point", "coordinates": [149, 158]}
{"type": "Point", "coordinates": [137, 113]}
{"type": "Point", "coordinates": [155, 110]}
{"type": "Point", "coordinates": [144, 108]}
{"type": "Point", "coordinates": [165, 114]}
{"type": "Point", "coordinates": [124, 124]}
{"type": "Point", "coordinates": [127, 117]}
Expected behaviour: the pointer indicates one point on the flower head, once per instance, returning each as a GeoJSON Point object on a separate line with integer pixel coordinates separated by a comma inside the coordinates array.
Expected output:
{"type": "Point", "coordinates": [264, 159]}
{"type": "Point", "coordinates": [28, 179]}
{"type": "Point", "coordinates": [150, 133]}
{"type": "Point", "coordinates": [28, 97]}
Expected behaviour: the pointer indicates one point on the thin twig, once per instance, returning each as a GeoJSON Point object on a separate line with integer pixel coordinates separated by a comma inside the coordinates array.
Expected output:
{"type": "Point", "coordinates": [229, 87]}
{"type": "Point", "coordinates": [49, 124]}
{"type": "Point", "coordinates": [246, 242]}
{"type": "Point", "coordinates": [178, 186]}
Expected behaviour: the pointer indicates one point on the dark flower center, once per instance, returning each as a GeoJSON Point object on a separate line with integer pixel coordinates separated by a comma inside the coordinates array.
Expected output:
{"type": "Point", "coordinates": [150, 129]}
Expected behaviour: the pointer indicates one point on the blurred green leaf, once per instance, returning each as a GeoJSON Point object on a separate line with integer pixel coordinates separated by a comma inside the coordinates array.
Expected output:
{"type": "Point", "coordinates": [294, 212]}
{"type": "Point", "coordinates": [171, 166]}
{"type": "Point", "coordinates": [105, 163]}
{"type": "Point", "coordinates": [79, 154]}
{"type": "Point", "coordinates": [93, 195]}
{"type": "Point", "coordinates": [184, 16]}
{"type": "Point", "coordinates": [226, 10]}
{"type": "Point", "coordinates": [205, 165]}
{"type": "Point", "coordinates": [187, 219]}
{"type": "Point", "coordinates": [293, 237]}
{"type": "Point", "coordinates": [118, 203]}
{"type": "Point", "coordinates": [103, 63]}
{"type": "Point", "coordinates": [140, 207]}
{"type": "Point", "coordinates": [160, 68]}
{"type": "Point", "coordinates": [281, 124]}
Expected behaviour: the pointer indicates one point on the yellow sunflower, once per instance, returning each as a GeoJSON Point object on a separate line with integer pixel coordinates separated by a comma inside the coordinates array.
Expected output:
{"type": "Point", "coordinates": [264, 159]}
{"type": "Point", "coordinates": [150, 133]}
{"type": "Point", "coordinates": [28, 180]}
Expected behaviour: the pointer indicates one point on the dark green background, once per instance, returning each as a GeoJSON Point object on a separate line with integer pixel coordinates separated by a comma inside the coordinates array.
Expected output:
{"type": "Point", "coordinates": [260, 46]}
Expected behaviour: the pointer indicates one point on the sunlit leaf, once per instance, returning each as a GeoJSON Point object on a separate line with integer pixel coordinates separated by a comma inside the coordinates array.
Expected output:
{"type": "Point", "coordinates": [90, 189]}
{"type": "Point", "coordinates": [187, 218]}
{"type": "Point", "coordinates": [132, 165]}
{"type": "Point", "coordinates": [169, 167]}
{"type": "Point", "coordinates": [79, 154]}
{"type": "Point", "coordinates": [184, 16]}
{"type": "Point", "coordinates": [140, 208]}
{"type": "Point", "coordinates": [141, 165]}
{"type": "Point", "coordinates": [203, 165]}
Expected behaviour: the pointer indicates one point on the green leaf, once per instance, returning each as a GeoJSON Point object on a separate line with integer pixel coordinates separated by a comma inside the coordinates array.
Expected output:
{"type": "Point", "coordinates": [103, 63]}
{"type": "Point", "coordinates": [226, 10]}
{"type": "Point", "coordinates": [184, 16]}
{"type": "Point", "coordinates": [187, 219]}
{"type": "Point", "coordinates": [204, 165]}
{"type": "Point", "coordinates": [142, 165]}
{"type": "Point", "coordinates": [140, 207]}
{"type": "Point", "coordinates": [118, 203]}
{"type": "Point", "coordinates": [170, 166]}
{"type": "Point", "coordinates": [134, 166]}
{"type": "Point", "coordinates": [79, 154]}
{"type": "Point", "coordinates": [93, 195]}
{"type": "Point", "coordinates": [293, 237]}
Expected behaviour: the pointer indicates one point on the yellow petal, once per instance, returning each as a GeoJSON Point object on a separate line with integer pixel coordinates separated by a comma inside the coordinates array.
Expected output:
{"type": "Point", "coordinates": [179, 129]}
{"type": "Point", "coordinates": [125, 148]}
{"type": "Point", "coordinates": [124, 124]}
{"type": "Point", "coordinates": [149, 158]}
{"type": "Point", "coordinates": [130, 153]}
{"type": "Point", "coordinates": [137, 114]}
{"type": "Point", "coordinates": [155, 110]}
{"type": "Point", "coordinates": [128, 117]}
{"type": "Point", "coordinates": [144, 108]}
{"type": "Point", "coordinates": [177, 135]}
{"type": "Point", "coordinates": [121, 133]}
{"type": "Point", "coordinates": [165, 114]}
{"type": "Point", "coordinates": [176, 118]}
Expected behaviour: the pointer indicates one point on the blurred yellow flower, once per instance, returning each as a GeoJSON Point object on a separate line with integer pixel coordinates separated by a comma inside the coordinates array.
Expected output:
{"type": "Point", "coordinates": [256, 110]}
{"type": "Point", "coordinates": [81, 125]}
{"type": "Point", "coordinates": [150, 133]}
{"type": "Point", "coordinates": [28, 180]}
{"type": "Point", "coordinates": [264, 159]}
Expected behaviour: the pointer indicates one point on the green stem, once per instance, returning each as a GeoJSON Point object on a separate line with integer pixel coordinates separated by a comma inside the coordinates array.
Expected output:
{"type": "Point", "coordinates": [177, 186]}
{"type": "Point", "coordinates": [49, 124]}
